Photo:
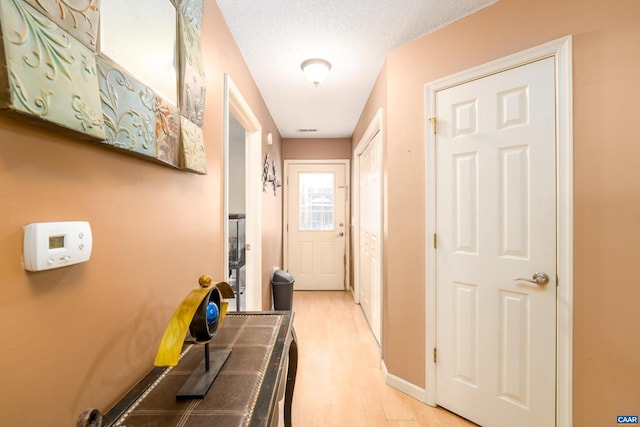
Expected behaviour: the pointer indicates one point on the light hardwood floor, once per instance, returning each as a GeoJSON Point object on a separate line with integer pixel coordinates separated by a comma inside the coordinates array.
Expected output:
{"type": "Point", "coordinates": [339, 381]}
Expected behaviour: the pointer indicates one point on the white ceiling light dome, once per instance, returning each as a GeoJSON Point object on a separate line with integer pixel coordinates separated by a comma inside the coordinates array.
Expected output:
{"type": "Point", "coordinates": [316, 69]}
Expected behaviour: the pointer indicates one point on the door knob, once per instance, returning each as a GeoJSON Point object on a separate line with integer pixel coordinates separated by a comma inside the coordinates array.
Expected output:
{"type": "Point", "coordinates": [340, 234]}
{"type": "Point", "coordinates": [538, 279]}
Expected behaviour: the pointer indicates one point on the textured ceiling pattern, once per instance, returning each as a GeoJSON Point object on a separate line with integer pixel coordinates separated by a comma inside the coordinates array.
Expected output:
{"type": "Point", "coordinates": [275, 36]}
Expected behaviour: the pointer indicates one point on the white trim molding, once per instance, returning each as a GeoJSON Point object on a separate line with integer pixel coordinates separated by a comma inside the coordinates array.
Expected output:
{"type": "Point", "coordinates": [402, 385]}
{"type": "Point", "coordinates": [561, 51]}
{"type": "Point", "coordinates": [236, 105]}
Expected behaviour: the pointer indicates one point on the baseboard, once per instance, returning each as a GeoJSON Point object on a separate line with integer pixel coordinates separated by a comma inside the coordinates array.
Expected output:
{"type": "Point", "coordinates": [403, 385]}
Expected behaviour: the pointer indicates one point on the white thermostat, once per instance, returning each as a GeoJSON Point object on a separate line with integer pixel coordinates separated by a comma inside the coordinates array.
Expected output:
{"type": "Point", "coordinates": [50, 245]}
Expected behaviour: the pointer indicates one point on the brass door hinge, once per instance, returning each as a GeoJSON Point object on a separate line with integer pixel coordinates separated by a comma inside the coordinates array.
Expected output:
{"type": "Point", "coordinates": [435, 241]}
{"type": "Point", "coordinates": [435, 355]}
{"type": "Point", "coordinates": [434, 124]}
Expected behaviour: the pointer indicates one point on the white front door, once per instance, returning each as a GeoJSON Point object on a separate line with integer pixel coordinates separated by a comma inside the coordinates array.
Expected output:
{"type": "Point", "coordinates": [496, 222]}
{"type": "Point", "coordinates": [370, 230]}
{"type": "Point", "coordinates": [316, 225]}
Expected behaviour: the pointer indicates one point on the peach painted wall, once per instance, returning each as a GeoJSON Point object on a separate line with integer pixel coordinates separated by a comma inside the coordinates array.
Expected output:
{"type": "Point", "coordinates": [80, 336]}
{"type": "Point", "coordinates": [316, 148]}
{"type": "Point", "coordinates": [606, 67]}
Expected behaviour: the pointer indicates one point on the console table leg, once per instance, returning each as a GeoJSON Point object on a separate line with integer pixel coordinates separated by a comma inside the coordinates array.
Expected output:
{"type": "Point", "coordinates": [291, 378]}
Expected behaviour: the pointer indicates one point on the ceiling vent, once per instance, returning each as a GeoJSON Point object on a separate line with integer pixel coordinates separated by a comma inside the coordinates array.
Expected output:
{"type": "Point", "coordinates": [307, 130]}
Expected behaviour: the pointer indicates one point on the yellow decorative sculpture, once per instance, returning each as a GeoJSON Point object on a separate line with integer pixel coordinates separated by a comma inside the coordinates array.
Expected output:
{"type": "Point", "coordinates": [173, 338]}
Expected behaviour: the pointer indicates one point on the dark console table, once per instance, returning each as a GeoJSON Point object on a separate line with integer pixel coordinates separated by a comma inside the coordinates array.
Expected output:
{"type": "Point", "coordinates": [259, 372]}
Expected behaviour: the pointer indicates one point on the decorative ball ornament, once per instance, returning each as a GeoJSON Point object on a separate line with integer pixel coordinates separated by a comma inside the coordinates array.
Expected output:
{"type": "Point", "coordinates": [212, 312]}
{"type": "Point", "coordinates": [205, 280]}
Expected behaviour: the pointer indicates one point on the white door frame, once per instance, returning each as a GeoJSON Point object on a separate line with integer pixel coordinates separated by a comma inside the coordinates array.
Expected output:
{"type": "Point", "coordinates": [285, 219]}
{"type": "Point", "coordinates": [235, 104]}
{"type": "Point", "coordinates": [375, 127]}
{"type": "Point", "coordinates": [561, 51]}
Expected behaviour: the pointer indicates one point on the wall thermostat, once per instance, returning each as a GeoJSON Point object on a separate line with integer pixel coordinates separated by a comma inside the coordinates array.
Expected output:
{"type": "Point", "coordinates": [50, 245]}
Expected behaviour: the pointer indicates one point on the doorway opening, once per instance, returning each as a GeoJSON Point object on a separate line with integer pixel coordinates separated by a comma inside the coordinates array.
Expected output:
{"type": "Point", "coordinates": [237, 214]}
{"type": "Point", "coordinates": [243, 143]}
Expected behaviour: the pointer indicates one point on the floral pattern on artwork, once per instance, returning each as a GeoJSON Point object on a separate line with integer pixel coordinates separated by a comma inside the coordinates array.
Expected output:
{"type": "Point", "coordinates": [128, 110]}
{"type": "Point", "coordinates": [79, 18]}
{"type": "Point", "coordinates": [192, 10]}
{"type": "Point", "coordinates": [190, 46]}
{"type": "Point", "coordinates": [193, 94]}
{"type": "Point", "coordinates": [193, 154]}
{"type": "Point", "coordinates": [50, 75]}
{"type": "Point", "coordinates": [167, 132]}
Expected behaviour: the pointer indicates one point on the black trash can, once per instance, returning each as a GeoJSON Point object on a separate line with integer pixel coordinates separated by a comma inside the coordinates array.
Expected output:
{"type": "Point", "coordinates": [282, 285]}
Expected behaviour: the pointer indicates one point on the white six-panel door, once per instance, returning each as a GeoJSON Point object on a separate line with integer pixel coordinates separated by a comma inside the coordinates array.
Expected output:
{"type": "Point", "coordinates": [316, 225]}
{"type": "Point", "coordinates": [496, 222]}
{"type": "Point", "coordinates": [370, 230]}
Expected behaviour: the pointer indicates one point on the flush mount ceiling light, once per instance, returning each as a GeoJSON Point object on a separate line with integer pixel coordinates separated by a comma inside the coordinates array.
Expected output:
{"type": "Point", "coordinates": [316, 69]}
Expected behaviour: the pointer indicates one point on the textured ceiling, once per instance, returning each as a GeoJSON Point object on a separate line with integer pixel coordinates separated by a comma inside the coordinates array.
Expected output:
{"type": "Point", "coordinates": [275, 36]}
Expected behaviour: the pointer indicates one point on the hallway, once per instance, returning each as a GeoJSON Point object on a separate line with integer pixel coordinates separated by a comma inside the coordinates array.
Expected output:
{"type": "Point", "coordinates": [339, 380]}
